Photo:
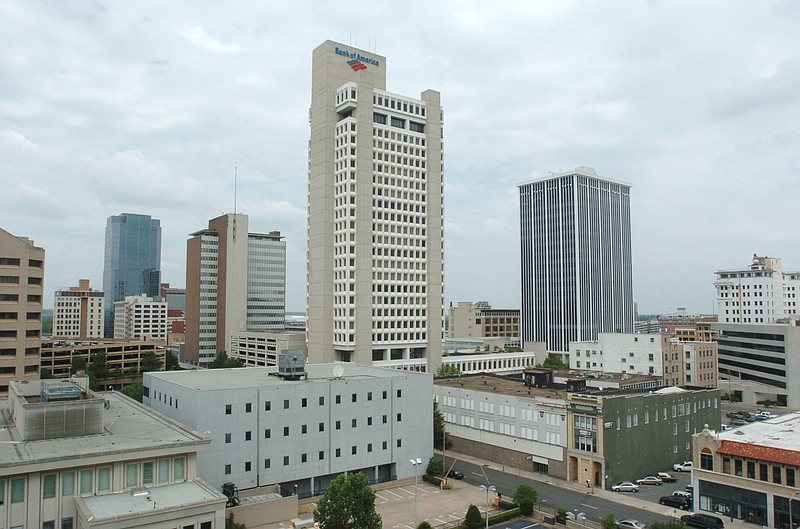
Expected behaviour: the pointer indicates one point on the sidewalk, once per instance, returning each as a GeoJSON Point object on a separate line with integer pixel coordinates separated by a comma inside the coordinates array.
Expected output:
{"type": "Point", "coordinates": [626, 499]}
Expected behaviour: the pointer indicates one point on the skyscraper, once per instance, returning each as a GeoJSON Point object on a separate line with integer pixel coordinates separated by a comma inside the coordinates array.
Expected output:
{"type": "Point", "coordinates": [375, 216]}
{"type": "Point", "coordinates": [235, 281]}
{"type": "Point", "coordinates": [132, 261]}
{"type": "Point", "coordinates": [21, 288]}
{"type": "Point", "coordinates": [576, 258]}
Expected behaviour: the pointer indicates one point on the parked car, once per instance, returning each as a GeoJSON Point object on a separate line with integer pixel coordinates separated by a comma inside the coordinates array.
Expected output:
{"type": "Point", "coordinates": [666, 478]}
{"type": "Point", "coordinates": [739, 422]}
{"type": "Point", "coordinates": [625, 486]}
{"type": "Point", "coordinates": [702, 521]}
{"type": "Point", "coordinates": [679, 502]}
{"type": "Point", "coordinates": [765, 415]}
{"type": "Point", "coordinates": [750, 419]}
{"type": "Point", "coordinates": [649, 480]}
{"type": "Point", "coordinates": [682, 493]}
{"type": "Point", "coordinates": [455, 474]}
{"type": "Point", "coordinates": [726, 427]}
{"type": "Point", "coordinates": [686, 466]}
{"type": "Point", "coordinates": [631, 524]}
{"type": "Point", "coordinates": [580, 517]}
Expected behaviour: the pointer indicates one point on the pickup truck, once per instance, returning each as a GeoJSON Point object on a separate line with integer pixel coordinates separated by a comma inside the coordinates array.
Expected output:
{"type": "Point", "coordinates": [686, 466]}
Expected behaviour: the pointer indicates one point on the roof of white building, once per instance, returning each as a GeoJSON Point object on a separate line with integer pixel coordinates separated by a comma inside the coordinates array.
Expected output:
{"type": "Point", "coordinates": [782, 432]}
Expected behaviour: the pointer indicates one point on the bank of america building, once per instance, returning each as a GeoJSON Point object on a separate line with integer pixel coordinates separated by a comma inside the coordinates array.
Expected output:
{"type": "Point", "coordinates": [375, 217]}
{"type": "Point", "coordinates": [576, 258]}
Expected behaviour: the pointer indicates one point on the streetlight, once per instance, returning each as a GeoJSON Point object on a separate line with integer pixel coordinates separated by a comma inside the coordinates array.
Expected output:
{"type": "Point", "coordinates": [487, 489]}
{"type": "Point", "coordinates": [791, 522]}
{"type": "Point", "coordinates": [416, 463]}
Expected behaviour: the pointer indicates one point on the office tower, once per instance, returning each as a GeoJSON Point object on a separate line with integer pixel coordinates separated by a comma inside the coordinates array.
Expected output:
{"type": "Point", "coordinates": [375, 217]}
{"type": "Point", "coordinates": [235, 281]}
{"type": "Point", "coordinates": [762, 293]}
{"type": "Point", "coordinates": [21, 288]}
{"type": "Point", "coordinates": [140, 317]}
{"type": "Point", "coordinates": [132, 261]}
{"type": "Point", "coordinates": [576, 258]}
{"type": "Point", "coordinates": [78, 312]}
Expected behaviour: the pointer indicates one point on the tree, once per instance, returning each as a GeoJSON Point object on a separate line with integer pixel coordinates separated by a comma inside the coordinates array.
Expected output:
{"type": "Point", "coordinates": [349, 503]}
{"type": "Point", "coordinates": [671, 524]}
{"type": "Point", "coordinates": [45, 373]}
{"type": "Point", "coordinates": [473, 520]}
{"type": "Point", "coordinates": [78, 363]}
{"type": "Point", "coordinates": [171, 362]}
{"type": "Point", "coordinates": [435, 467]}
{"type": "Point", "coordinates": [525, 496]}
{"type": "Point", "coordinates": [439, 433]}
{"type": "Point", "coordinates": [561, 515]}
{"type": "Point", "coordinates": [223, 362]}
{"type": "Point", "coordinates": [98, 366]}
{"type": "Point", "coordinates": [446, 370]}
{"type": "Point", "coordinates": [424, 525]}
{"type": "Point", "coordinates": [134, 391]}
{"type": "Point", "coordinates": [554, 362]}
{"type": "Point", "coordinates": [150, 362]}
{"type": "Point", "coordinates": [609, 522]}
{"type": "Point", "coordinates": [231, 524]}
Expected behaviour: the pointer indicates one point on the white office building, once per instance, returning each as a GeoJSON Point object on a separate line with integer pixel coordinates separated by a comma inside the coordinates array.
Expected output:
{"type": "Point", "coordinates": [300, 434]}
{"type": "Point", "coordinates": [761, 293]}
{"type": "Point", "coordinates": [577, 278]}
{"type": "Point", "coordinates": [74, 459]}
{"type": "Point", "coordinates": [632, 353]}
{"type": "Point", "coordinates": [140, 317]}
{"type": "Point", "coordinates": [375, 215]}
{"type": "Point", "coordinates": [79, 312]}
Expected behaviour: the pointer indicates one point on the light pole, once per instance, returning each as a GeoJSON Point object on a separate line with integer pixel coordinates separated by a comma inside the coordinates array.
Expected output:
{"type": "Point", "coordinates": [487, 489]}
{"type": "Point", "coordinates": [416, 463]}
{"type": "Point", "coordinates": [791, 522]}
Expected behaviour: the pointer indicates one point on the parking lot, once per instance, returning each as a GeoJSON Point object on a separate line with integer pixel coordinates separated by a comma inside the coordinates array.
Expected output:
{"type": "Point", "coordinates": [654, 492]}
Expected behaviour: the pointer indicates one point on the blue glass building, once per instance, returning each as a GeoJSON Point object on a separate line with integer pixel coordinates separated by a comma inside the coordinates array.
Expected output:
{"type": "Point", "coordinates": [132, 260]}
{"type": "Point", "coordinates": [577, 278]}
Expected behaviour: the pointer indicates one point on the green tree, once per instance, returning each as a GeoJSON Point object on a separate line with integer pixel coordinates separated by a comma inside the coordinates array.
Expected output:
{"type": "Point", "coordinates": [439, 432]}
{"type": "Point", "coordinates": [171, 362]}
{"type": "Point", "coordinates": [671, 524]}
{"type": "Point", "coordinates": [609, 522]}
{"type": "Point", "coordinates": [473, 519]}
{"type": "Point", "coordinates": [424, 525]}
{"type": "Point", "coordinates": [446, 370]}
{"type": "Point", "coordinates": [98, 366]}
{"type": "Point", "coordinates": [349, 503]}
{"type": "Point", "coordinates": [78, 363]}
{"type": "Point", "coordinates": [231, 524]}
{"type": "Point", "coordinates": [150, 362]}
{"type": "Point", "coordinates": [561, 515]}
{"type": "Point", "coordinates": [554, 362]}
{"type": "Point", "coordinates": [222, 361]}
{"type": "Point", "coordinates": [45, 373]}
{"type": "Point", "coordinates": [134, 391]}
{"type": "Point", "coordinates": [435, 467]}
{"type": "Point", "coordinates": [525, 496]}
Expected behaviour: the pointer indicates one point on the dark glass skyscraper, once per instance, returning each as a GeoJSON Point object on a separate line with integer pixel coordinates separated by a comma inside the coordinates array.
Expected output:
{"type": "Point", "coordinates": [577, 279]}
{"type": "Point", "coordinates": [132, 260]}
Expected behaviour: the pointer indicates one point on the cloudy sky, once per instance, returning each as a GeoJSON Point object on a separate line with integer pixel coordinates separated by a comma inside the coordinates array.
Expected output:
{"type": "Point", "coordinates": [147, 107]}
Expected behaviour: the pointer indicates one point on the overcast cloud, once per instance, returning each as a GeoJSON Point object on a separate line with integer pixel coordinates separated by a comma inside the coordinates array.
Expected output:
{"type": "Point", "coordinates": [146, 107]}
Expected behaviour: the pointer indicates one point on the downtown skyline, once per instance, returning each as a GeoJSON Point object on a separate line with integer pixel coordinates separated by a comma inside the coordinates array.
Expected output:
{"type": "Point", "coordinates": [148, 108]}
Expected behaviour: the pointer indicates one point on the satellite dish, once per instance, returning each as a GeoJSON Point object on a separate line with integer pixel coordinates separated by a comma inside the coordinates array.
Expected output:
{"type": "Point", "coordinates": [338, 371]}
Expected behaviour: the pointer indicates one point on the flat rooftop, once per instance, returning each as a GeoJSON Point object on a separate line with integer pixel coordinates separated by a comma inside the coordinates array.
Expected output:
{"type": "Point", "coordinates": [499, 385]}
{"type": "Point", "coordinates": [256, 377]}
{"type": "Point", "coordinates": [150, 500]}
{"type": "Point", "coordinates": [128, 427]}
{"type": "Point", "coordinates": [782, 432]}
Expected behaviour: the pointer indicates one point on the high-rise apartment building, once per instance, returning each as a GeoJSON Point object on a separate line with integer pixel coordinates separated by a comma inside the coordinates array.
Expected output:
{"type": "Point", "coordinates": [132, 261]}
{"type": "Point", "coordinates": [140, 317]}
{"type": "Point", "coordinates": [235, 281]}
{"type": "Point", "coordinates": [762, 293]}
{"type": "Point", "coordinates": [79, 312]}
{"type": "Point", "coordinates": [375, 215]}
{"type": "Point", "coordinates": [577, 276]}
{"type": "Point", "coordinates": [21, 288]}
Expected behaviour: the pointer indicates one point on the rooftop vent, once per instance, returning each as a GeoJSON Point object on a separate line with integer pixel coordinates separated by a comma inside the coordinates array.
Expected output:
{"type": "Point", "coordinates": [63, 391]}
{"type": "Point", "coordinates": [291, 364]}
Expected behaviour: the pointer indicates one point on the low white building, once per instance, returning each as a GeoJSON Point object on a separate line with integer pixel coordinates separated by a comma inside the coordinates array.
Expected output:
{"type": "Point", "coordinates": [267, 429]}
{"type": "Point", "coordinates": [630, 353]}
{"type": "Point", "coordinates": [260, 348]}
{"type": "Point", "coordinates": [71, 458]}
{"type": "Point", "coordinates": [140, 317]}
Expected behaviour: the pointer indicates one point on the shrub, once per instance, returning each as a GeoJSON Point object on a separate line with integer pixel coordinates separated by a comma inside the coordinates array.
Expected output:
{"type": "Point", "coordinates": [608, 522]}
{"type": "Point", "coordinates": [525, 496]}
{"type": "Point", "coordinates": [505, 516]}
{"type": "Point", "coordinates": [424, 525]}
{"type": "Point", "coordinates": [473, 520]}
{"type": "Point", "coordinates": [561, 515]}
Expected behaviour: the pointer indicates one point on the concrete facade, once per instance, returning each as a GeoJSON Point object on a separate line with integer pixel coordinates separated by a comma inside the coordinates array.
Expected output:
{"type": "Point", "coordinates": [630, 353]}
{"type": "Point", "coordinates": [99, 461]}
{"type": "Point", "coordinates": [268, 430]}
{"type": "Point", "coordinates": [761, 293]}
{"type": "Point", "coordinates": [124, 357]}
{"type": "Point", "coordinates": [691, 363]}
{"type": "Point", "coordinates": [375, 215]}
{"type": "Point", "coordinates": [21, 290]}
{"type": "Point", "coordinates": [235, 282]}
{"type": "Point", "coordinates": [140, 317]}
{"type": "Point", "coordinates": [470, 320]}
{"type": "Point", "coordinates": [79, 312]}
{"type": "Point", "coordinates": [260, 349]}
{"type": "Point", "coordinates": [750, 473]}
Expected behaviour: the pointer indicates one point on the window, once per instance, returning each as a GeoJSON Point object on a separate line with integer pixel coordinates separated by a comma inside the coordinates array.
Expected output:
{"type": "Point", "coordinates": [86, 476]}
{"type": "Point", "coordinates": [227, 438]}
{"type": "Point", "coordinates": [322, 427]}
{"type": "Point", "coordinates": [776, 474]}
{"type": "Point", "coordinates": [247, 466]}
{"type": "Point", "coordinates": [303, 458]}
{"type": "Point", "coordinates": [354, 398]}
{"type": "Point", "coordinates": [17, 490]}
{"type": "Point", "coordinates": [267, 406]}
{"type": "Point", "coordinates": [369, 421]}
{"type": "Point", "coordinates": [248, 407]}
{"type": "Point", "coordinates": [338, 425]}
{"type": "Point", "coordinates": [205, 525]}
{"type": "Point", "coordinates": [50, 524]}
{"type": "Point", "coordinates": [399, 393]}
{"type": "Point", "coordinates": [304, 429]}
{"type": "Point", "coordinates": [416, 127]}
{"type": "Point", "coordinates": [369, 395]}
{"type": "Point", "coordinates": [763, 472]}
{"type": "Point", "coordinates": [383, 445]}
{"type": "Point", "coordinates": [706, 460]}
{"type": "Point", "coordinates": [399, 443]}
{"type": "Point", "coordinates": [354, 450]}
{"type": "Point", "coordinates": [228, 409]}
{"type": "Point", "coordinates": [104, 477]}
{"type": "Point", "coordinates": [304, 402]}
{"type": "Point", "coordinates": [248, 436]}
{"type": "Point", "coordinates": [397, 122]}
{"type": "Point", "coordinates": [751, 470]}
{"type": "Point", "coordinates": [384, 394]}
{"type": "Point", "coordinates": [338, 399]}
{"type": "Point", "coordinates": [267, 463]}
{"type": "Point", "coordinates": [385, 419]}
{"type": "Point", "coordinates": [267, 433]}
{"type": "Point", "coordinates": [66, 523]}
{"type": "Point", "coordinates": [737, 467]}
{"type": "Point", "coordinates": [286, 431]}
{"type": "Point", "coordinates": [790, 477]}
{"type": "Point", "coordinates": [131, 477]}
{"type": "Point", "coordinates": [338, 452]}
{"type": "Point", "coordinates": [399, 417]}
{"type": "Point", "coordinates": [177, 469]}
{"type": "Point", "coordinates": [227, 470]}
{"type": "Point", "coordinates": [322, 401]}
{"type": "Point", "coordinates": [147, 473]}
{"type": "Point", "coordinates": [285, 404]}
{"type": "Point", "coordinates": [49, 486]}
{"type": "Point", "coordinates": [354, 423]}
{"type": "Point", "coordinates": [379, 118]}
{"type": "Point", "coordinates": [322, 455]}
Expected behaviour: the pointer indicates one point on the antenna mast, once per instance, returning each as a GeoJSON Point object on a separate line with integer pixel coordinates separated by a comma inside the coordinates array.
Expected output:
{"type": "Point", "coordinates": [235, 178]}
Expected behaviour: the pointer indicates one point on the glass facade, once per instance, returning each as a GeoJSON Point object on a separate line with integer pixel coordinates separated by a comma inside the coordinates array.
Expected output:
{"type": "Point", "coordinates": [132, 261]}
{"type": "Point", "coordinates": [266, 283]}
